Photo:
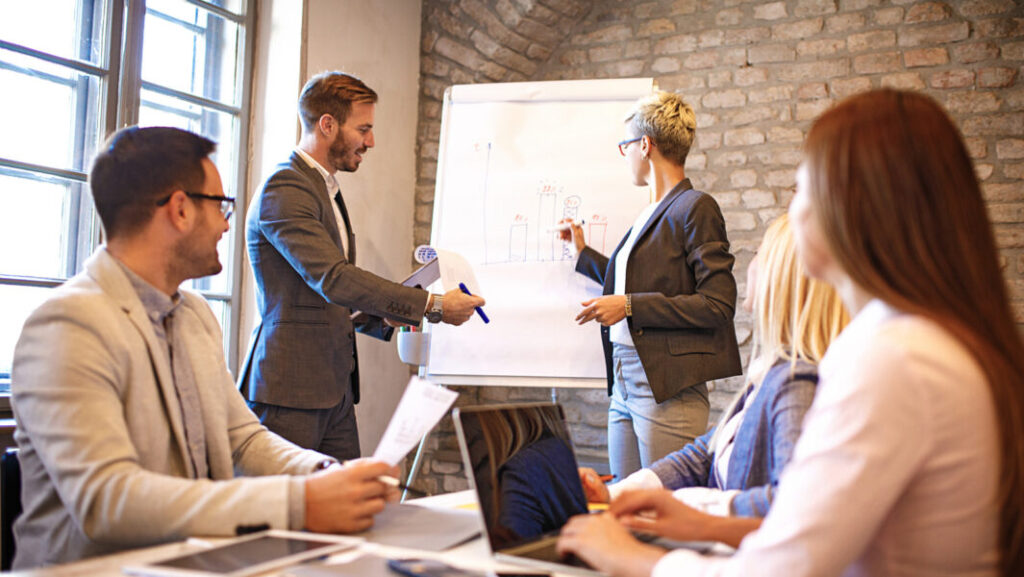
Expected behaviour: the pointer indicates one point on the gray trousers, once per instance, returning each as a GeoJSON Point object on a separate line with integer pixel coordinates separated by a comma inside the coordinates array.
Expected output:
{"type": "Point", "coordinates": [332, 431]}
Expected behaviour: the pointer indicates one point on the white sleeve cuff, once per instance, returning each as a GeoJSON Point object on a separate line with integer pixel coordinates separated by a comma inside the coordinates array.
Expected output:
{"type": "Point", "coordinates": [690, 563]}
{"type": "Point", "coordinates": [642, 479]}
{"type": "Point", "coordinates": [710, 501]}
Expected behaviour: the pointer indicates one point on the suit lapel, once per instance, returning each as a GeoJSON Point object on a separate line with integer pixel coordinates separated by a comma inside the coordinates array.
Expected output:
{"type": "Point", "coordinates": [107, 273]}
{"type": "Point", "coordinates": [678, 190]}
{"type": "Point", "coordinates": [320, 191]}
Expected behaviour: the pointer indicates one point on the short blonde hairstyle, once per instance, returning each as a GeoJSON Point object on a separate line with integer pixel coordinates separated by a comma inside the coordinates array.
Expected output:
{"type": "Point", "coordinates": [668, 121]}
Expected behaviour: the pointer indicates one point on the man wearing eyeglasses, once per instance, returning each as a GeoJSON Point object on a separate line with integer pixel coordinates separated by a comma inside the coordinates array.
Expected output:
{"type": "Point", "coordinates": [301, 375]}
{"type": "Point", "coordinates": [130, 428]}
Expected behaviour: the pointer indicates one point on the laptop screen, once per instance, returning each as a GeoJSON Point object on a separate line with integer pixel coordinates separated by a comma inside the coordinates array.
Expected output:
{"type": "Point", "coordinates": [523, 468]}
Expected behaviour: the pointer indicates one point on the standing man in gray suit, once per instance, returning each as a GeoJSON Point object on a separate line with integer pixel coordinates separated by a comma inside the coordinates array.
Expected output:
{"type": "Point", "coordinates": [301, 375]}
{"type": "Point", "coordinates": [130, 428]}
{"type": "Point", "coordinates": [669, 295]}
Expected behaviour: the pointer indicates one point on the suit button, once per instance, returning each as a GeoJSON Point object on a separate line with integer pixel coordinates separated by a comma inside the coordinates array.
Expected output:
{"type": "Point", "coordinates": [639, 332]}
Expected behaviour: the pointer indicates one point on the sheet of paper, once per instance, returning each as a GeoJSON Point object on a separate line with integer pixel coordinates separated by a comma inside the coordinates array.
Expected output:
{"type": "Point", "coordinates": [422, 406]}
{"type": "Point", "coordinates": [455, 269]}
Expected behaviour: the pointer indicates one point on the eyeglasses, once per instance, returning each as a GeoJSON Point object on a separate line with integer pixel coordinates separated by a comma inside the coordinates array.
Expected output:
{"type": "Point", "coordinates": [625, 144]}
{"type": "Point", "coordinates": [227, 203]}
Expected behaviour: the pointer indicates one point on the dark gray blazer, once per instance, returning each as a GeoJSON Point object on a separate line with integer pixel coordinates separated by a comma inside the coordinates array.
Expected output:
{"type": "Point", "coordinates": [684, 294]}
{"type": "Point", "coordinates": [303, 352]}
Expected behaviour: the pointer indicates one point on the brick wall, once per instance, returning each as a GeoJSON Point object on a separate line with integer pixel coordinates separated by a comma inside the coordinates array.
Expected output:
{"type": "Point", "coordinates": [756, 73]}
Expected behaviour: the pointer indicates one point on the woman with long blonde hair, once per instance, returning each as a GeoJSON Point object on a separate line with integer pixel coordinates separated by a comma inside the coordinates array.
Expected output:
{"type": "Point", "coordinates": [735, 467]}
{"type": "Point", "coordinates": [912, 459]}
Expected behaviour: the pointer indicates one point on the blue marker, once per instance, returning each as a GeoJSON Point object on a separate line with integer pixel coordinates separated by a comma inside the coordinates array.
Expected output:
{"type": "Point", "coordinates": [479, 310]}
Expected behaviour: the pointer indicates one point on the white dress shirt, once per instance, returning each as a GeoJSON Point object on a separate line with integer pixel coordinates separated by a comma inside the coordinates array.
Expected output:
{"type": "Point", "coordinates": [619, 332]}
{"type": "Point", "coordinates": [896, 472]}
{"type": "Point", "coordinates": [332, 189]}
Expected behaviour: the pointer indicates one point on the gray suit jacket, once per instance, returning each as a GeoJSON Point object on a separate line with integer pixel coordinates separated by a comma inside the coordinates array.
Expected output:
{"type": "Point", "coordinates": [303, 352]}
{"type": "Point", "coordinates": [684, 293]}
{"type": "Point", "coordinates": [104, 462]}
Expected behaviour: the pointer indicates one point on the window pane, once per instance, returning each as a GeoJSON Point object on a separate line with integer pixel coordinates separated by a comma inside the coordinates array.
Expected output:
{"type": "Point", "coordinates": [191, 50]}
{"type": "Point", "coordinates": [18, 303]}
{"type": "Point", "coordinates": [222, 128]}
{"type": "Point", "coordinates": [44, 110]}
{"type": "Point", "coordinates": [222, 310]}
{"type": "Point", "coordinates": [68, 28]}
{"type": "Point", "coordinates": [39, 223]}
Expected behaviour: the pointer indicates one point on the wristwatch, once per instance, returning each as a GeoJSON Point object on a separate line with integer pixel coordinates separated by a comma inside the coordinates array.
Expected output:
{"type": "Point", "coordinates": [436, 312]}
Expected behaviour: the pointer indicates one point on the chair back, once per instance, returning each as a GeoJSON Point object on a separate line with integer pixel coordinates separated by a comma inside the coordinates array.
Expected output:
{"type": "Point", "coordinates": [10, 505]}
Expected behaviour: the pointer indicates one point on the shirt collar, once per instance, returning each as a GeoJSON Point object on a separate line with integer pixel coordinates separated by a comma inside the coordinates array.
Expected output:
{"type": "Point", "coordinates": [329, 180]}
{"type": "Point", "coordinates": [157, 304]}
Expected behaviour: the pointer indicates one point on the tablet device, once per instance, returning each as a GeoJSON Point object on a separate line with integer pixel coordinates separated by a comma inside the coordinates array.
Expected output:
{"type": "Point", "coordinates": [247, 555]}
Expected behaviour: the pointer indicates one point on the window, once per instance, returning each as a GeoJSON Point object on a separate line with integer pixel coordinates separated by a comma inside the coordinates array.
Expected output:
{"type": "Point", "coordinates": [74, 71]}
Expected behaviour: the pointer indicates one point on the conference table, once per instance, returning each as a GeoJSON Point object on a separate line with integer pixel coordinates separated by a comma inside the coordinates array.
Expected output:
{"type": "Point", "coordinates": [473, 554]}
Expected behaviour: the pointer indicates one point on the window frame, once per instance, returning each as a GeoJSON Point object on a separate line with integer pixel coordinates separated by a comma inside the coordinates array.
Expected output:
{"type": "Point", "coordinates": [120, 87]}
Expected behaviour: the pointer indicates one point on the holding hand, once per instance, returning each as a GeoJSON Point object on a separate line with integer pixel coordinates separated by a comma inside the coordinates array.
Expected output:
{"type": "Point", "coordinates": [459, 306]}
{"type": "Point", "coordinates": [594, 489]}
{"type": "Point", "coordinates": [344, 499]}
{"type": "Point", "coordinates": [606, 310]}
{"type": "Point", "coordinates": [574, 234]}
{"type": "Point", "coordinates": [657, 511]}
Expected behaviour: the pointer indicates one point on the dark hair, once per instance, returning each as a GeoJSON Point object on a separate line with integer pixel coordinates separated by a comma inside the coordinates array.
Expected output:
{"type": "Point", "coordinates": [139, 166]}
{"type": "Point", "coordinates": [900, 207]}
{"type": "Point", "coordinates": [331, 93]}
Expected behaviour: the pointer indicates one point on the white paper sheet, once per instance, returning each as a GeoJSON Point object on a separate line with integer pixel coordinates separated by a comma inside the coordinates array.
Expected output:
{"type": "Point", "coordinates": [422, 406]}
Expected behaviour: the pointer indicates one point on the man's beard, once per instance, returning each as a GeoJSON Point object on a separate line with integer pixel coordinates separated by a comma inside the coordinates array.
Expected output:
{"type": "Point", "coordinates": [343, 157]}
{"type": "Point", "coordinates": [193, 259]}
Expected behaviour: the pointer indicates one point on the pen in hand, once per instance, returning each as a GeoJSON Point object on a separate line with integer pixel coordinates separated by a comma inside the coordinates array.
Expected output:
{"type": "Point", "coordinates": [479, 310]}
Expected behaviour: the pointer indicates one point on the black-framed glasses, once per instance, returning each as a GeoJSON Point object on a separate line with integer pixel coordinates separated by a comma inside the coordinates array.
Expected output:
{"type": "Point", "coordinates": [227, 203]}
{"type": "Point", "coordinates": [625, 144]}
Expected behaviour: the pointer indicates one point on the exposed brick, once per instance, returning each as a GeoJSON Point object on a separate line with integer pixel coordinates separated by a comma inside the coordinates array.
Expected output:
{"type": "Point", "coordinates": [808, 71]}
{"type": "Point", "coordinates": [731, 158]}
{"type": "Point", "coordinates": [515, 61]}
{"type": "Point", "coordinates": [711, 38]}
{"type": "Point", "coordinates": [624, 69]}
{"type": "Point", "coordinates": [636, 48]}
{"type": "Point", "coordinates": [433, 66]}
{"type": "Point", "coordinates": [1014, 97]}
{"type": "Point", "coordinates": [508, 12]}
{"type": "Point", "coordinates": [903, 81]}
{"type": "Point", "coordinates": [999, 28]}
{"type": "Point", "coordinates": [727, 200]}
{"type": "Point", "coordinates": [773, 94]}
{"type": "Point", "coordinates": [609, 34]}
{"type": "Point", "coordinates": [877, 63]}
{"type": "Point", "coordinates": [744, 137]}
{"type": "Point", "coordinates": [745, 178]}
{"type": "Point", "coordinates": [952, 79]}
{"type": "Point", "coordinates": [455, 26]}
{"type": "Point", "coordinates": [701, 60]}
{"type": "Point", "coordinates": [696, 161]}
{"type": "Point", "coordinates": [812, 90]}
{"type": "Point", "coordinates": [724, 99]}
{"type": "Point", "coordinates": [1011, 124]}
{"type": "Point", "coordinates": [853, 5]}
{"type": "Point", "coordinates": [821, 47]}
{"type": "Point", "coordinates": [996, 77]}
{"type": "Point", "coordinates": [781, 134]}
{"type": "Point", "coordinates": [538, 52]}
{"type": "Point", "coordinates": [709, 140]}
{"type": "Point", "coordinates": [605, 53]}
{"type": "Point", "coordinates": [1006, 213]}
{"type": "Point", "coordinates": [984, 171]}
{"type": "Point", "coordinates": [779, 156]}
{"type": "Point", "coordinates": [1009, 238]}
{"type": "Point", "coordinates": [687, 82]}
{"type": "Point", "coordinates": [781, 178]}
{"type": "Point", "coordinates": [1013, 51]}
{"type": "Point", "coordinates": [1003, 192]}
{"type": "Point", "coordinates": [430, 109]}
{"type": "Point", "coordinates": [728, 17]}
{"type": "Point", "coordinates": [844, 22]}
{"type": "Point", "coordinates": [734, 57]}
{"type": "Point", "coordinates": [424, 213]}
{"type": "Point", "coordinates": [972, 102]}
{"type": "Point", "coordinates": [843, 87]}
{"type": "Point", "coordinates": [573, 57]}
{"type": "Point", "coordinates": [750, 115]}
{"type": "Point", "coordinates": [974, 8]}
{"type": "Point", "coordinates": [676, 44]}
{"type": "Point", "coordinates": [665, 64]}
{"type": "Point", "coordinates": [479, 12]}
{"type": "Point", "coordinates": [647, 10]}
{"type": "Point", "coordinates": [750, 76]}
{"type": "Point", "coordinates": [926, 12]}
{"type": "Point", "coordinates": [739, 220]}
{"type": "Point", "coordinates": [430, 36]}
{"type": "Point", "coordinates": [814, 7]}
{"type": "Point", "coordinates": [770, 11]}
{"type": "Point", "coordinates": [433, 87]}
{"type": "Point", "coordinates": [810, 109]}
{"type": "Point", "coordinates": [925, 57]}
{"type": "Point", "coordinates": [541, 13]}
{"type": "Point", "coordinates": [656, 27]}
{"type": "Point", "coordinates": [976, 147]}
{"type": "Point", "coordinates": [484, 43]}
{"type": "Point", "coordinates": [770, 53]}
{"type": "Point", "coordinates": [747, 35]}
{"type": "Point", "coordinates": [757, 198]}
{"type": "Point", "coordinates": [1010, 148]}
{"type": "Point", "coordinates": [684, 7]}
{"type": "Point", "coordinates": [871, 40]}
{"type": "Point", "coordinates": [941, 34]}
{"type": "Point", "coordinates": [570, 8]}
{"type": "Point", "coordinates": [705, 120]}
{"type": "Point", "coordinates": [797, 30]}
{"type": "Point", "coordinates": [719, 78]}
{"type": "Point", "coordinates": [888, 16]}
{"type": "Point", "coordinates": [1014, 171]}
{"type": "Point", "coordinates": [975, 52]}
{"type": "Point", "coordinates": [539, 32]}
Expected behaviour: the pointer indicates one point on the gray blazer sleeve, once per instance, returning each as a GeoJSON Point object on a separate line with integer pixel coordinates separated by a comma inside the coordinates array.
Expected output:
{"type": "Point", "coordinates": [289, 218]}
{"type": "Point", "coordinates": [713, 304]}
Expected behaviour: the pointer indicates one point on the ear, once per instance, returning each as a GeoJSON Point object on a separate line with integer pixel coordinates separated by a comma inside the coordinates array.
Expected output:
{"type": "Point", "coordinates": [326, 124]}
{"type": "Point", "coordinates": [179, 211]}
{"type": "Point", "coordinates": [646, 144]}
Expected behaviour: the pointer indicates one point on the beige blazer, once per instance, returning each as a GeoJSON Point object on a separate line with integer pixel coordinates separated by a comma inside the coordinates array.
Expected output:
{"type": "Point", "coordinates": [103, 457]}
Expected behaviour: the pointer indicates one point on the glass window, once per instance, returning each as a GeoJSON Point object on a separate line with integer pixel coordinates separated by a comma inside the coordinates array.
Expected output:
{"type": "Point", "coordinates": [55, 111]}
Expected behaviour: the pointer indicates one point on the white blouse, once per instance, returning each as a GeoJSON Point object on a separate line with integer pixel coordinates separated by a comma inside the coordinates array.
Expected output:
{"type": "Point", "coordinates": [896, 472]}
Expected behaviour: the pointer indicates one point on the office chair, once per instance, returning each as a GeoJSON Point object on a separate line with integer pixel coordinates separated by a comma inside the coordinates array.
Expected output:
{"type": "Point", "coordinates": [10, 505]}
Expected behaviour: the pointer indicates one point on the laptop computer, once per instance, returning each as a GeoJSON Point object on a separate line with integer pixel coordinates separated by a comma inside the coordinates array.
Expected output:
{"type": "Point", "coordinates": [519, 459]}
